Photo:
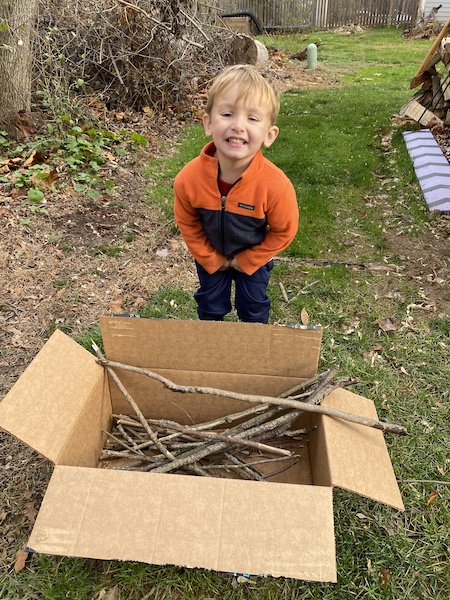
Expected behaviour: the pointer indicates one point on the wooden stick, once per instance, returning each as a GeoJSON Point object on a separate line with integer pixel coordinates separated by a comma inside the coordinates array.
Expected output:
{"type": "Point", "coordinates": [213, 435]}
{"type": "Point", "coordinates": [255, 399]}
{"type": "Point", "coordinates": [133, 404]}
{"type": "Point", "coordinates": [251, 428]}
{"type": "Point", "coordinates": [243, 430]}
{"type": "Point", "coordinates": [108, 454]}
{"type": "Point", "coordinates": [254, 474]}
{"type": "Point", "coordinates": [121, 442]}
{"type": "Point", "coordinates": [251, 463]}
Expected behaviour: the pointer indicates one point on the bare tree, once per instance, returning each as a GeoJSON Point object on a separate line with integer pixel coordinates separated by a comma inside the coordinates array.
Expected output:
{"type": "Point", "coordinates": [17, 19]}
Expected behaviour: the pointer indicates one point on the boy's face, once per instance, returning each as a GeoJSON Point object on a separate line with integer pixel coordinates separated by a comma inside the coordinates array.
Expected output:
{"type": "Point", "coordinates": [239, 127]}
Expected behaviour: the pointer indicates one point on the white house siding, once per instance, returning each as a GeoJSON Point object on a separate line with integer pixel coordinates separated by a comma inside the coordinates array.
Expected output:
{"type": "Point", "coordinates": [426, 6]}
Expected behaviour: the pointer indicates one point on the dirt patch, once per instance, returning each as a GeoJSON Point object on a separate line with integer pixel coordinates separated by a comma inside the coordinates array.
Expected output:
{"type": "Point", "coordinates": [428, 260]}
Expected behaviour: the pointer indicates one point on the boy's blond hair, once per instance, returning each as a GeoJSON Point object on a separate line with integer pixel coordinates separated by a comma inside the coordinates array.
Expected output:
{"type": "Point", "coordinates": [252, 84]}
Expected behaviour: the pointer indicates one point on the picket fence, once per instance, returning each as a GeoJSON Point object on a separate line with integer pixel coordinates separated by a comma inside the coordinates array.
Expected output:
{"type": "Point", "coordinates": [292, 15]}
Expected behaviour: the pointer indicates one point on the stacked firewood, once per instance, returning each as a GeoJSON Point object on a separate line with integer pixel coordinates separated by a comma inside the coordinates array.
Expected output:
{"type": "Point", "coordinates": [430, 105]}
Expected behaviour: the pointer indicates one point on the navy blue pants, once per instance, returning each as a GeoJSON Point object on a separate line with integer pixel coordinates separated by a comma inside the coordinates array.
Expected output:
{"type": "Point", "coordinates": [213, 297]}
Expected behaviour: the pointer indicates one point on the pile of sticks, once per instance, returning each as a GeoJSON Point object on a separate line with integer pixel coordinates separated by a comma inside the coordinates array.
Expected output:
{"type": "Point", "coordinates": [243, 450]}
{"type": "Point", "coordinates": [256, 443]}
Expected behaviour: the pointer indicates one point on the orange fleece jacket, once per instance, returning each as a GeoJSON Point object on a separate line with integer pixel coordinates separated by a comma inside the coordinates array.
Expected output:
{"type": "Point", "coordinates": [263, 194]}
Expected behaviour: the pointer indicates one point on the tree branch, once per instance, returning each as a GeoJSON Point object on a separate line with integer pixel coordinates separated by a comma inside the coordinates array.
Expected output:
{"type": "Point", "coordinates": [256, 399]}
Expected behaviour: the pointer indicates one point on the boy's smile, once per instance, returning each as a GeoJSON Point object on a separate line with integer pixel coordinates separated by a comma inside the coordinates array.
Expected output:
{"type": "Point", "coordinates": [239, 127]}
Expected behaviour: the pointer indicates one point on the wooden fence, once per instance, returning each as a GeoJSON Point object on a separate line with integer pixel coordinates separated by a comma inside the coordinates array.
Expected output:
{"type": "Point", "coordinates": [292, 15]}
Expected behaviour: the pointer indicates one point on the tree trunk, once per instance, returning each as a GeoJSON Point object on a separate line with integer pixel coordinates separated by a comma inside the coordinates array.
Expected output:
{"type": "Point", "coordinates": [17, 19]}
{"type": "Point", "coordinates": [242, 49]}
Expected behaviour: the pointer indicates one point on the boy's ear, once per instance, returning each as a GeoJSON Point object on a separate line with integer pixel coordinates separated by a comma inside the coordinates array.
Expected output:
{"type": "Point", "coordinates": [271, 136]}
{"type": "Point", "coordinates": [207, 124]}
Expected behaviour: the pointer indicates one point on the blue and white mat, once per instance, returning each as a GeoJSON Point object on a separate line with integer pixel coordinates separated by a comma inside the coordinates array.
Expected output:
{"type": "Point", "coordinates": [431, 166]}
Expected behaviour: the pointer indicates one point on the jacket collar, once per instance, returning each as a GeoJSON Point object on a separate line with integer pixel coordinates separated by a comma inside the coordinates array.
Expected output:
{"type": "Point", "coordinates": [210, 164]}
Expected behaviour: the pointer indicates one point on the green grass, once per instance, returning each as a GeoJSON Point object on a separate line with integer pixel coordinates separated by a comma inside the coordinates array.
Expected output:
{"type": "Point", "coordinates": [352, 191]}
{"type": "Point", "coordinates": [161, 174]}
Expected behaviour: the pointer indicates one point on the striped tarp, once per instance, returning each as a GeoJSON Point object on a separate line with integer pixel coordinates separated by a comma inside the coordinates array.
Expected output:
{"type": "Point", "coordinates": [431, 166]}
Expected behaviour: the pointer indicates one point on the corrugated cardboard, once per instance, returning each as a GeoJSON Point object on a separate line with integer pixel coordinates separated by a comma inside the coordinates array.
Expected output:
{"type": "Point", "coordinates": [284, 527]}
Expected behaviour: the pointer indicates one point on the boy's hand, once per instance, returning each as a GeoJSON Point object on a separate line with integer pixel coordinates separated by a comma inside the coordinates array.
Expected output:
{"type": "Point", "coordinates": [235, 265]}
{"type": "Point", "coordinates": [225, 266]}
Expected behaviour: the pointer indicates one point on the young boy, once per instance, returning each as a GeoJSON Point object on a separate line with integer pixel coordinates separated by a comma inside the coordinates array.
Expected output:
{"type": "Point", "coordinates": [234, 208]}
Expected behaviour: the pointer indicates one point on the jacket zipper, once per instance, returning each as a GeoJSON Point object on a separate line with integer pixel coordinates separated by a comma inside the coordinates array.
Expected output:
{"type": "Point", "coordinates": [222, 223]}
{"type": "Point", "coordinates": [223, 201]}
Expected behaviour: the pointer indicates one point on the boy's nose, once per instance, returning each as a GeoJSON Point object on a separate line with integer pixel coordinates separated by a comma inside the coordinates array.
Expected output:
{"type": "Point", "coordinates": [238, 123]}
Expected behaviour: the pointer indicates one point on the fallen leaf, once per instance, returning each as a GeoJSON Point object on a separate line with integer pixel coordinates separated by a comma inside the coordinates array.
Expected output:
{"type": "Point", "coordinates": [111, 594]}
{"type": "Point", "coordinates": [175, 244]}
{"type": "Point", "coordinates": [21, 557]}
{"type": "Point", "coordinates": [17, 339]}
{"type": "Point", "coordinates": [46, 178]}
{"type": "Point", "coordinates": [304, 317]}
{"type": "Point", "coordinates": [363, 517]}
{"type": "Point", "coordinates": [109, 155]}
{"type": "Point", "coordinates": [116, 306]}
{"type": "Point", "coordinates": [433, 496]}
{"type": "Point", "coordinates": [30, 512]}
{"type": "Point", "coordinates": [162, 253]}
{"type": "Point", "coordinates": [384, 577]}
{"type": "Point", "coordinates": [428, 427]}
{"type": "Point", "coordinates": [30, 159]}
{"type": "Point", "coordinates": [441, 470]}
{"type": "Point", "coordinates": [386, 324]}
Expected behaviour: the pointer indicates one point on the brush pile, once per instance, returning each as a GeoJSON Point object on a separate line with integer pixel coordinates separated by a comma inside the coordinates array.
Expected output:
{"type": "Point", "coordinates": [139, 55]}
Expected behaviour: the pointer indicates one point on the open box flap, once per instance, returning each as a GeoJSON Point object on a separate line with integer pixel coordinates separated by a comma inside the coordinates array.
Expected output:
{"type": "Point", "coordinates": [354, 457]}
{"type": "Point", "coordinates": [45, 403]}
{"type": "Point", "coordinates": [237, 348]}
{"type": "Point", "coordinates": [222, 524]}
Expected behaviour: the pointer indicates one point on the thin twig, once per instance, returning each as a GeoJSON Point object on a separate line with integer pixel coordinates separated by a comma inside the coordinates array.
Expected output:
{"type": "Point", "coordinates": [250, 463]}
{"type": "Point", "coordinates": [133, 405]}
{"type": "Point", "coordinates": [254, 474]}
{"type": "Point", "coordinates": [212, 435]}
{"type": "Point", "coordinates": [283, 292]}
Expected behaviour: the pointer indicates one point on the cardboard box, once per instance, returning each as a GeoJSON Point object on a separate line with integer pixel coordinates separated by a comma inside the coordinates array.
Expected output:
{"type": "Point", "coordinates": [284, 527]}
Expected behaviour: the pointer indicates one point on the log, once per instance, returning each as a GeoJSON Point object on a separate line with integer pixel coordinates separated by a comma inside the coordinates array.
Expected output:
{"type": "Point", "coordinates": [243, 50]}
{"type": "Point", "coordinates": [416, 111]}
